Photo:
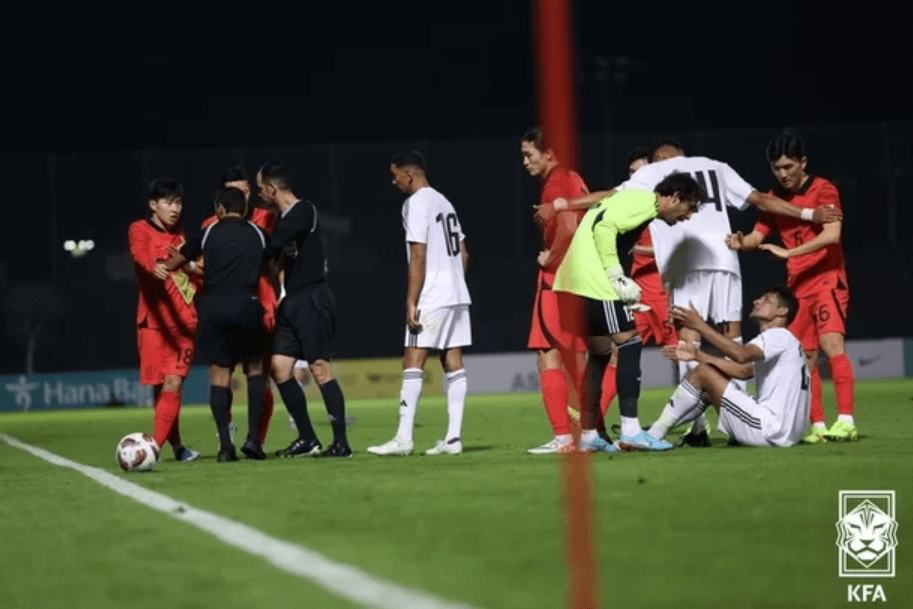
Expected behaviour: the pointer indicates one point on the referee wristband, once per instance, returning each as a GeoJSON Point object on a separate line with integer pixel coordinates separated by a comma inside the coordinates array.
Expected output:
{"type": "Point", "coordinates": [808, 214]}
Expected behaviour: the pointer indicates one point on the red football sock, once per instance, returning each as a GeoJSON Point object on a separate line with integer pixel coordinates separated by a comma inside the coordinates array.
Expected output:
{"type": "Point", "coordinates": [817, 408]}
{"type": "Point", "coordinates": [609, 389]}
{"type": "Point", "coordinates": [555, 396]}
{"type": "Point", "coordinates": [174, 438]}
{"type": "Point", "coordinates": [269, 403]}
{"type": "Point", "coordinates": [842, 374]}
{"type": "Point", "coordinates": [167, 408]}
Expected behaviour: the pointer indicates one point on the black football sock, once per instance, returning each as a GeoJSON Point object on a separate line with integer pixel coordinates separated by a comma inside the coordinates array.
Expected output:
{"type": "Point", "coordinates": [218, 403]}
{"type": "Point", "coordinates": [336, 408]}
{"type": "Point", "coordinates": [596, 367]}
{"type": "Point", "coordinates": [296, 403]}
{"type": "Point", "coordinates": [629, 377]}
{"type": "Point", "coordinates": [256, 396]}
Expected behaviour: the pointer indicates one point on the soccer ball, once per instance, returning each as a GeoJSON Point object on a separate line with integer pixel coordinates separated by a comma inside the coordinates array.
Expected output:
{"type": "Point", "coordinates": [137, 452]}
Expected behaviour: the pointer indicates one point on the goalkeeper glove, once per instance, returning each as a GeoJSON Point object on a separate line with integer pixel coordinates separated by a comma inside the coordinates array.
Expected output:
{"type": "Point", "coordinates": [627, 291]}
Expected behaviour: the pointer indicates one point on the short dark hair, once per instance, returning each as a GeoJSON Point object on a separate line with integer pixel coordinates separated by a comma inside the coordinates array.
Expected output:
{"type": "Point", "coordinates": [232, 199]}
{"type": "Point", "coordinates": [235, 173]}
{"type": "Point", "coordinates": [535, 137]}
{"type": "Point", "coordinates": [640, 152]}
{"type": "Point", "coordinates": [666, 142]}
{"type": "Point", "coordinates": [408, 158]}
{"type": "Point", "coordinates": [278, 173]}
{"type": "Point", "coordinates": [165, 188]}
{"type": "Point", "coordinates": [787, 299]}
{"type": "Point", "coordinates": [789, 144]}
{"type": "Point", "coordinates": [683, 185]}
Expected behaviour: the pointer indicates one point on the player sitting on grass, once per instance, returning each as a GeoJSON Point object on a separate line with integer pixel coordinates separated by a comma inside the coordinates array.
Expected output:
{"type": "Point", "coordinates": [778, 415]}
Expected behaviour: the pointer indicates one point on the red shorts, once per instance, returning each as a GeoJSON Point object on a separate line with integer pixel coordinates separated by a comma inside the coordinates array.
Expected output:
{"type": "Point", "coordinates": [821, 313]}
{"type": "Point", "coordinates": [654, 324]}
{"type": "Point", "coordinates": [164, 352]}
{"type": "Point", "coordinates": [558, 322]}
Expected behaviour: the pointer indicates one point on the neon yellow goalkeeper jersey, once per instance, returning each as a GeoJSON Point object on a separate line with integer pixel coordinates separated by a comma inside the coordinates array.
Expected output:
{"type": "Point", "coordinates": [594, 248]}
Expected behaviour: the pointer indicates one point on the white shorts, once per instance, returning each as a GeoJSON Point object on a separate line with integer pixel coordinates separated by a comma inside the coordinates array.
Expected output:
{"type": "Point", "coordinates": [742, 418]}
{"type": "Point", "coordinates": [301, 364]}
{"type": "Point", "coordinates": [444, 328]}
{"type": "Point", "coordinates": [717, 295]}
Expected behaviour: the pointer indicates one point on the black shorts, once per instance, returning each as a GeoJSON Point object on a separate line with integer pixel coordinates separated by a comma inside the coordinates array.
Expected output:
{"type": "Point", "coordinates": [230, 329]}
{"type": "Point", "coordinates": [306, 324]}
{"type": "Point", "coordinates": [605, 317]}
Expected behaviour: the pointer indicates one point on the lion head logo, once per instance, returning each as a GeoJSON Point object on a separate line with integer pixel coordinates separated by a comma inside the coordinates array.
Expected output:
{"type": "Point", "coordinates": [867, 533]}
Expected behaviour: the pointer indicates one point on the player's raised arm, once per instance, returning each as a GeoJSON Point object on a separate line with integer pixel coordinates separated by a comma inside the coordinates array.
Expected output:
{"type": "Point", "coordinates": [688, 352]}
{"type": "Point", "coordinates": [775, 205]}
{"type": "Point", "coordinates": [829, 235]}
{"type": "Point", "coordinates": [690, 318]}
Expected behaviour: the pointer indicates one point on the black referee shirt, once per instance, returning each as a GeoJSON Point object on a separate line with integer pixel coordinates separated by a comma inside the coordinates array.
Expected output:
{"type": "Point", "coordinates": [234, 250]}
{"type": "Point", "coordinates": [299, 236]}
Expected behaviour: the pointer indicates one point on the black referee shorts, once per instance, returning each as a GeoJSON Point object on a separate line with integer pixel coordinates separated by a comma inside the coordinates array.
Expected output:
{"type": "Point", "coordinates": [306, 324]}
{"type": "Point", "coordinates": [230, 329]}
{"type": "Point", "coordinates": [605, 317]}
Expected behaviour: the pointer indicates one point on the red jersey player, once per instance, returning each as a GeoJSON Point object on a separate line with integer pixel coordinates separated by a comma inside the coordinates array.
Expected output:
{"type": "Point", "coordinates": [166, 317]}
{"type": "Point", "coordinates": [236, 177]}
{"type": "Point", "coordinates": [816, 272]}
{"type": "Point", "coordinates": [547, 333]}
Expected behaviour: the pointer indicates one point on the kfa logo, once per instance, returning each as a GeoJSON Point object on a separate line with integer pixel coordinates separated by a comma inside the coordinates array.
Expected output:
{"type": "Point", "coordinates": [867, 534]}
{"type": "Point", "coordinates": [863, 593]}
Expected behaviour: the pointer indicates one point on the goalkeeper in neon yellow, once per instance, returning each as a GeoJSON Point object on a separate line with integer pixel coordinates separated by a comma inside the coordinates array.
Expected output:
{"type": "Point", "coordinates": [592, 270]}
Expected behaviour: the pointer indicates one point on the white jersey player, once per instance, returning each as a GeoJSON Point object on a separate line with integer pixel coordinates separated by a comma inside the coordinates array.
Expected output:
{"type": "Point", "coordinates": [778, 415]}
{"type": "Point", "coordinates": [437, 304]}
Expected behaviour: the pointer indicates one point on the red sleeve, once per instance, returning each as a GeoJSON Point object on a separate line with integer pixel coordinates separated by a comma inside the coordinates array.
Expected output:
{"type": "Point", "coordinates": [828, 196]}
{"type": "Point", "coordinates": [645, 239]}
{"type": "Point", "coordinates": [766, 224]}
{"type": "Point", "coordinates": [140, 251]}
{"type": "Point", "coordinates": [263, 218]}
{"type": "Point", "coordinates": [208, 221]}
{"type": "Point", "coordinates": [564, 233]}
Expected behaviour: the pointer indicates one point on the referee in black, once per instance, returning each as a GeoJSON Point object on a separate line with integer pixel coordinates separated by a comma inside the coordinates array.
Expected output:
{"type": "Point", "coordinates": [230, 327]}
{"type": "Point", "coordinates": [306, 318]}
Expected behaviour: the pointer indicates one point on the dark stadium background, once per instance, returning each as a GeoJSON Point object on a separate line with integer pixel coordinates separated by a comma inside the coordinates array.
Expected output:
{"type": "Point", "coordinates": [96, 107]}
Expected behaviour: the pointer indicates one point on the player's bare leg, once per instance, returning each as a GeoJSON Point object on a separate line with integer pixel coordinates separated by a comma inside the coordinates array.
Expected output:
{"type": "Point", "coordinates": [219, 383]}
{"type": "Point", "coordinates": [256, 397]}
{"type": "Point", "coordinates": [282, 369]}
{"type": "Point", "coordinates": [833, 345]}
{"type": "Point", "coordinates": [455, 373]}
{"type": "Point", "coordinates": [402, 444]}
{"type": "Point", "coordinates": [335, 405]}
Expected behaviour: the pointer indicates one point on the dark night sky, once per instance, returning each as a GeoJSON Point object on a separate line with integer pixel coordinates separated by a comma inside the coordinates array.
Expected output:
{"type": "Point", "coordinates": [399, 71]}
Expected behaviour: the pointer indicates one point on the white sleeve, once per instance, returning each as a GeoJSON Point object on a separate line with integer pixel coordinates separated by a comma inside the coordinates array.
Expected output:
{"type": "Point", "coordinates": [772, 342]}
{"type": "Point", "coordinates": [415, 221]}
{"type": "Point", "coordinates": [645, 178]}
{"type": "Point", "coordinates": [737, 189]}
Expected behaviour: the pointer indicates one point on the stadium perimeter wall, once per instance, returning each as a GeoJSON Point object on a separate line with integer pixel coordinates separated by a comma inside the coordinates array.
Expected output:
{"type": "Point", "coordinates": [380, 378]}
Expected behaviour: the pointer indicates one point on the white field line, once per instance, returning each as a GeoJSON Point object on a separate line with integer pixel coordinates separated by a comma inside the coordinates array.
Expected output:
{"type": "Point", "coordinates": [342, 580]}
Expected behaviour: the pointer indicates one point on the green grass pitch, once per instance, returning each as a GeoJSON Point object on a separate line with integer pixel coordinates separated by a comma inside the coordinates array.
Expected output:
{"type": "Point", "coordinates": [718, 527]}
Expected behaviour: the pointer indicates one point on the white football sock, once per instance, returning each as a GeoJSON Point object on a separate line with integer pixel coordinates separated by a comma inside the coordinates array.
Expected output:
{"type": "Point", "coordinates": [846, 418]}
{"type": "Point", "coordinates": [413, 379]}
{"type": "Point", "coordinates": [588, 435]}
{"type": "Point", "coordinates": [456, 400]}
{"type": "Point", "coordinates": [564, 438]}
{"type": "Point", "coordinates": [630, 426]}
{"type": "Point", "coordinates": [822, 425]}
{"type": "Point", "coordinates": [684, 405]}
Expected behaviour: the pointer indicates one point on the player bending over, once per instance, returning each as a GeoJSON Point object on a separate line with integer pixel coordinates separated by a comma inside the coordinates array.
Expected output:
{"type": "Point", "coordinates": [816, 272]}
{"type": "Point", "coordinates": [592, 271]}
{"type": "Point", "coordinates": [166, 317]}
{"type": "Point", "coordinates": [778, 414]}
{"type": "Point", "coordinates": [437, 303]}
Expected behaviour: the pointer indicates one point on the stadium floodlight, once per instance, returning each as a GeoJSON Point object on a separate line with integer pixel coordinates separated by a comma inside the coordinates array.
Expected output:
{"type": "Point", "coordinates": [69, 245]}
{"type": "Point", "coordinates": [90, 245]}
